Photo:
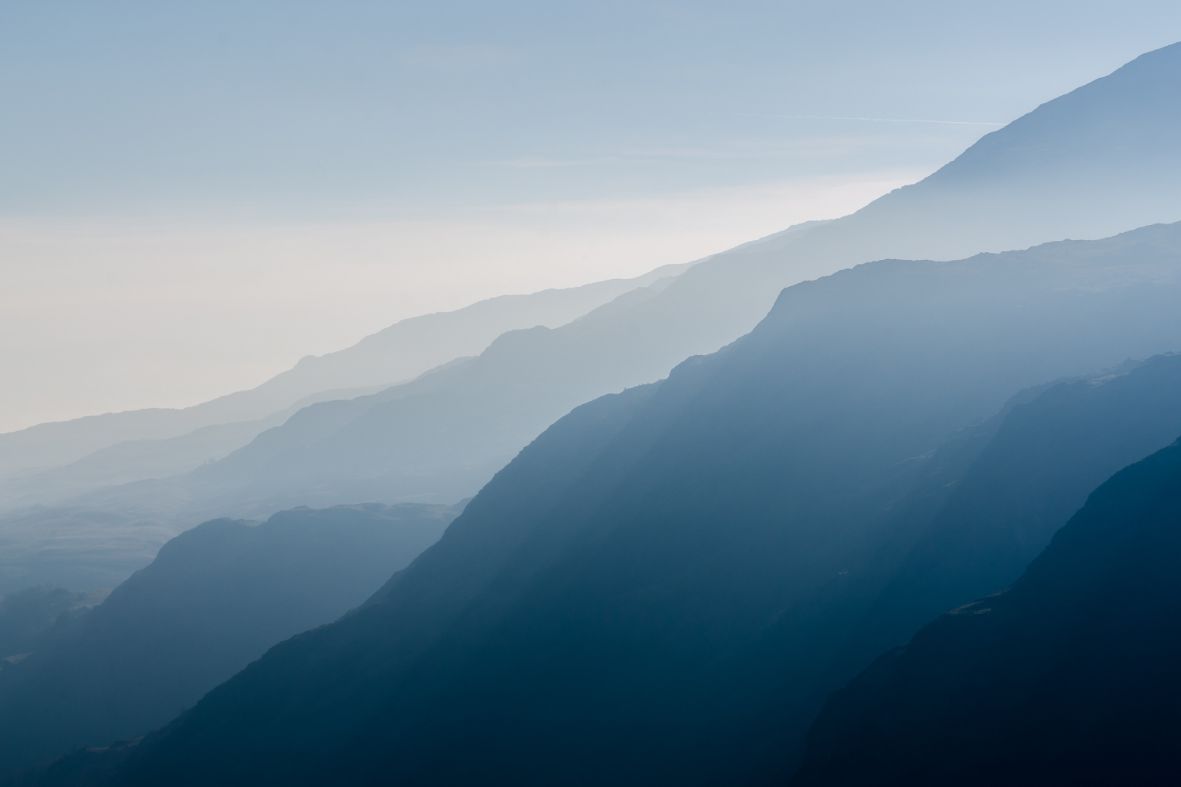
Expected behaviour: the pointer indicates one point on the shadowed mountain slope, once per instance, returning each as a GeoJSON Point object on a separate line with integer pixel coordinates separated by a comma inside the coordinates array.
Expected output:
{"type": "Point", "coordinates": [214, 599]}
{"type": "Point", "coordinates": [1068, 678]}
{"type": "Point", "coordinates": [985, 504]}
{"type": "Point", "coordinates": [1043, 455]}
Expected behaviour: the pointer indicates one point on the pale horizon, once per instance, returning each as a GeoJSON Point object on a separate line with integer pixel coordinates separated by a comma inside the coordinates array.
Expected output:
{"type": "Point", "coordinates": [184, 219]}
{"type": "Point", "coordinates": [340, 283]}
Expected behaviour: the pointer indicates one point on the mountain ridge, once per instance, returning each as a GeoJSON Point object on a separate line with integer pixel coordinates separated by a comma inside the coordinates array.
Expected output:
{"type": "Point", "coordinates": [363, 364]}
{"type": "Point", "coordinates": [1068, 677]}
{"type": "Point", "coordinates": [641, 336]}
{"type": "Point", "coordinates": [620, 597]}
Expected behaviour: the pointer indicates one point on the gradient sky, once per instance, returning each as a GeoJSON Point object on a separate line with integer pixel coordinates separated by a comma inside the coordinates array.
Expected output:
{"type": "Point", "coordinates": [194, 195]}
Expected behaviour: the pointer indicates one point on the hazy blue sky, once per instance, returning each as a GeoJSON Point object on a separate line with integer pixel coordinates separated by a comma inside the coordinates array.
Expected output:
{"type": "Point", "coordinates": [196, 194]}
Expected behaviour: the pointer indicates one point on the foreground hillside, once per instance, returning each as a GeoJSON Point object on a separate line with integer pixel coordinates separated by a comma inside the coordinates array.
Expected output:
{"type": "Point", "coordinates": [996, 494]}
{"type": "Point", "coordinates": [1068, 678]}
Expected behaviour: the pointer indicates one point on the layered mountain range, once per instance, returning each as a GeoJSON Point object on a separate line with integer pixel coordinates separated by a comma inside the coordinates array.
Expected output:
{"type": "Point", "coordinates": [1092, 163]}
{"type": "Point", "coordinates": [51, 460]}
{"type": "Point", "coordinates": [670, 573]}
{"type": "Point", "coordinates": [1088, 164]}
{"type": "Point", "coordinates": [663, 587]}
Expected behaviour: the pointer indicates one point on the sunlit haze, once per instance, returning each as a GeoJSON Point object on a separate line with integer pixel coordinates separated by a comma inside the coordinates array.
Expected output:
{"type": "Point", "coordinates": [197, 196]}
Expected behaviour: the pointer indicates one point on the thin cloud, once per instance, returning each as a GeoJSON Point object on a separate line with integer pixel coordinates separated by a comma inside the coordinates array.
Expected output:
{"type": "Point", "coordinates": [827, 145]}
{"type": "Point", "coordinates": [869, 119]}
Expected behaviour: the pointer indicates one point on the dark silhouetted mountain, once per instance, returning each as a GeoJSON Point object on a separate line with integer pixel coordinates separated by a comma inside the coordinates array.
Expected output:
{"type": "Point", "coordinates": [627, 599]}
{"type": "Point", "coordinates": [396, 354]}
{"type": "Point", "coordinates": [986, 503]}
{"type": "Point", "coordinates": [1034, 467]}
{"type": "Point", "coordinates": [1100, 160]}
{"type": "Point", "coordinates": [1068, 678]}
{"type": "Point", "coordinates": [213, 600]}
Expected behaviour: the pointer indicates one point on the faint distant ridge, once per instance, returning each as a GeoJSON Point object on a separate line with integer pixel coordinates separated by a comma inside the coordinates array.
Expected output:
{"type": "Point", "coordinates": [418, 344]}
{"type": "Point", "coordinates": [1099, 160]}
{"type": "Point", "coordinates": [441, 436]}
{"type": "Point", "coordinates": [396, 354]}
